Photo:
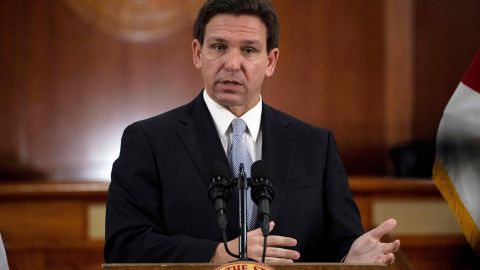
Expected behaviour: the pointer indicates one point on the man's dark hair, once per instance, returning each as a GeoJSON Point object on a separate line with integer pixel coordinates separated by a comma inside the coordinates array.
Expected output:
{"type": "Point", "coordinates": [262, 9]}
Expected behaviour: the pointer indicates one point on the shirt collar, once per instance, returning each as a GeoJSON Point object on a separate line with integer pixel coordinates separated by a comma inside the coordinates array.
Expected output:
{"type": "Point", "coordinates": [223, 117]}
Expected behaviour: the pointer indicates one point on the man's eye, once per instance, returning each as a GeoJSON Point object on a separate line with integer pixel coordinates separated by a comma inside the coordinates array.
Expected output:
{"type": "Point", "coordinates": [249, 50]}
{"type": "Point", "coordinates": [218, 47]}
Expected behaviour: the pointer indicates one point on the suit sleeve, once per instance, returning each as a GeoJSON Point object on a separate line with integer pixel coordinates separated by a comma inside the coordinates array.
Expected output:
{"type": "Point", "coordinates": [135, 231]}
{"type": "Point", "coordinates": [344, 224]}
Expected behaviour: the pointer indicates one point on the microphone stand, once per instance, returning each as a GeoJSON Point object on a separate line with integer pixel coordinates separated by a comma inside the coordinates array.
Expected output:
{"type": "Point", "coordinates": [242, 195]}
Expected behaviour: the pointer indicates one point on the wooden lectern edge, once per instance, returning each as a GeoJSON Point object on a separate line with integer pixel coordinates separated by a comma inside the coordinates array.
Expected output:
{"type": "Point", "coordinates": [209, 266]}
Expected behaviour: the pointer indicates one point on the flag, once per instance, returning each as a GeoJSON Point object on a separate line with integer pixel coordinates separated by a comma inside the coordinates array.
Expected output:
{"type": "Point", "coordinates": [456, 171]}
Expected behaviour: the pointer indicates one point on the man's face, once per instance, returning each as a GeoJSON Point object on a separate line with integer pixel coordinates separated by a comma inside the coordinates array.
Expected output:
{"type": "Point", "coordinates": [234, 61]}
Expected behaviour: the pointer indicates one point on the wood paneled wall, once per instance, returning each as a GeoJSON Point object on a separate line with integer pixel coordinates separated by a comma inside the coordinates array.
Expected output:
{"type": "Point", "coordinates": [446, 39]}
{"type": "Point", "coordinates": [330, 74]}
{"type": "Point", "coordinates": [68, 89]}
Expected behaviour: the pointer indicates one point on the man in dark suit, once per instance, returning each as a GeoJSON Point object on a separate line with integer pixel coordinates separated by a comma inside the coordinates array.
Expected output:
{"type": "Point", "coordinates": [158, 209]}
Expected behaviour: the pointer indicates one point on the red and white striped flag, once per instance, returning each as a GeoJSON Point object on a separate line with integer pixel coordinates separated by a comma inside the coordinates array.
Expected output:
{"type": "Point", "coordinates": [457, 165]}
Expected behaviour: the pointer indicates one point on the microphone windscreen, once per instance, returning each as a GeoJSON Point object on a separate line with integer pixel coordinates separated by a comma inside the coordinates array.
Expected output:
{"type": "Point", "coordinates": [260, 169]}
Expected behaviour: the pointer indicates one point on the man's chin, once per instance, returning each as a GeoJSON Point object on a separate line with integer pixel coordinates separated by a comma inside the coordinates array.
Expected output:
{"type": "Point", "coordinates": [229, 102]}
{"type": "Point", "coordinates": [228, 99]}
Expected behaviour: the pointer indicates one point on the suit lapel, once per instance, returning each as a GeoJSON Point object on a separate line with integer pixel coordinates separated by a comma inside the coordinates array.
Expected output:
{"type": "Point", "coordinates": [279, 141]}
{"type": "Point", "coordinates": [199, 135]}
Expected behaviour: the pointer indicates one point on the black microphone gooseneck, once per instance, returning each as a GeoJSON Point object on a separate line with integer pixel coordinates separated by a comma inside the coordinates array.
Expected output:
{"type": "Point", "coordinates": [262, 194]}
{"type": "Point", "coordinates": [242, 182]}
{"type": "Point", "coordinates": [219, 193]}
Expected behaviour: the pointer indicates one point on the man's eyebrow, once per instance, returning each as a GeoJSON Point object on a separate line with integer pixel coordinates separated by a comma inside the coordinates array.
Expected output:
{"type": "Point", "coordinates": [252, 42]}
{"type": "Point", "coordinates": [244, 42]}
{"type": "Point", "coordinates": [216, 39]}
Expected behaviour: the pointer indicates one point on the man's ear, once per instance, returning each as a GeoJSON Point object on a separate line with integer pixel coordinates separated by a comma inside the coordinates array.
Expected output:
{"type": "Point", "coordinates": [272, 61]}
{"type": "Point", "coordinates": [197, 53]}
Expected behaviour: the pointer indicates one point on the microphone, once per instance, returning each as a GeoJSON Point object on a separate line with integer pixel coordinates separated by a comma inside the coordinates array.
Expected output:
{"type": "Point", "coordinates": [220, 192]}
{"type": "Point", "coordinates": [262, 193]}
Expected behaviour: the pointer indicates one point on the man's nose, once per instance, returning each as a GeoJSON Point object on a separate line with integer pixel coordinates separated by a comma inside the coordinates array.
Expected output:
{"type": "Point", "coordinates": [233, 61]}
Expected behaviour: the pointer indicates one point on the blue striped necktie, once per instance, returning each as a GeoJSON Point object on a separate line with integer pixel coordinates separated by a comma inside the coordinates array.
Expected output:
{"type": "Point", "coordinates": [239, 154]}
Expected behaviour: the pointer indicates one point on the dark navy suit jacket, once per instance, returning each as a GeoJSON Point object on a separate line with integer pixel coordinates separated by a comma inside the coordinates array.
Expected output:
{"type": "Point", "coordinates": [158, 209]}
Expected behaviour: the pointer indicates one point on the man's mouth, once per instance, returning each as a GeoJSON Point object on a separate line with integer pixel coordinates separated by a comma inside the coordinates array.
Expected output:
{"type": "Point", "coordinates": [229, 82]}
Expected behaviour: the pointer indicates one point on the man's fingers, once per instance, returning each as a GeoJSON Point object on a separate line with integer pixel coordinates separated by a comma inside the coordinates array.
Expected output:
{"type": "Point", "coordinates": [389, 258]}
{"type": "Point", "coordinates": [271, 225]}
{"type": "Point", "coordinates": [391, 247]}
{"type": "Point", "coordinates": [258, 231]}
{"type": "Point", "coordinates": [383, 229]}
{"type": "Point", "coordinates": [388, 250]}
{"type": "Point", "coordinates": [281, 241]}
{"type": "Point", "coordinates": [282, 253]}
{"type": "Point", "coordinates": [274, 252]}
{"type": "Point", "coordinates": [368, 248]}
{"type": "Point", "coordinates": [276, 260]}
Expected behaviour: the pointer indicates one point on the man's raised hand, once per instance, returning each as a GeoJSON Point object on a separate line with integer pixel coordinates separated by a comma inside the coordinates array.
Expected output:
{"type": "Point", "coordinates": [368, 248]}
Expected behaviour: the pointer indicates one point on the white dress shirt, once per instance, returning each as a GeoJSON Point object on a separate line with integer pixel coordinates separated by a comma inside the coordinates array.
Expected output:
{"type": "Point", "coordinates": [223, 119]}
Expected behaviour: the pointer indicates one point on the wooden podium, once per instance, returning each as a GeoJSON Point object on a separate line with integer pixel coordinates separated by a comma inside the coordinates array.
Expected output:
{"type": "Point", "coordinates": [208, 266]}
